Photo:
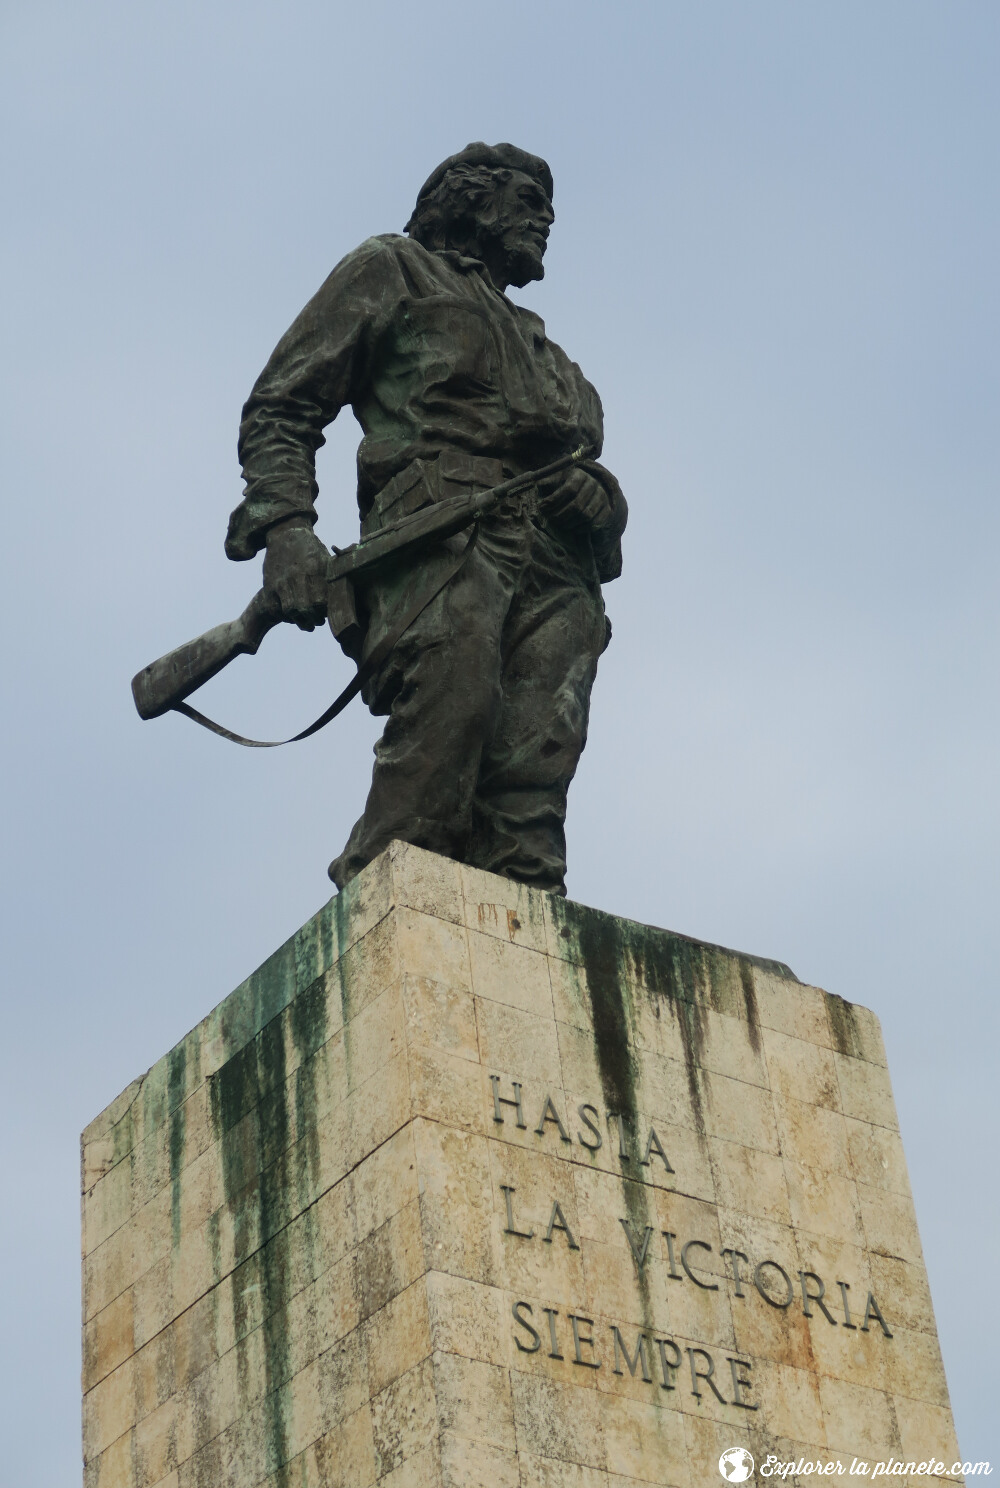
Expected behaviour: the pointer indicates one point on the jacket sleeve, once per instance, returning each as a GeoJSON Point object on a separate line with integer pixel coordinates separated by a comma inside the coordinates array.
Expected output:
{"type": "Point", "coordinates": [316, 368]}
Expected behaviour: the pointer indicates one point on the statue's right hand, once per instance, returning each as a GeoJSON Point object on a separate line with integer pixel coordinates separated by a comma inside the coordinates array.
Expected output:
{"type": "Point", "coordinates": [296, 568]}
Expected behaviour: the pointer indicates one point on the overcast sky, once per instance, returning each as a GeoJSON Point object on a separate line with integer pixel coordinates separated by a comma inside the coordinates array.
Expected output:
{"type": "Point", "coordinates": [775, 254]}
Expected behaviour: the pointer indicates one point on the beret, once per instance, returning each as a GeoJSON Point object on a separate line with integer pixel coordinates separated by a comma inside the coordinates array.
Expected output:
{"type": "Point", "coordinates": [496, 157]}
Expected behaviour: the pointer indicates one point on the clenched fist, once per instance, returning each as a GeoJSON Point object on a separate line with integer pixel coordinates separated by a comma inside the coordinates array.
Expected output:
{"type": "Point", "coordinates": [296, 567]}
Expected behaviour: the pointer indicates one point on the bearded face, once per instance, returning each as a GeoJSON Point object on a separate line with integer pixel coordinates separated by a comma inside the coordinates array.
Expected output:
{"type": "Point", "coordinates": [516, 229]}
{"type": "Point", "coordinates": [499, 215]}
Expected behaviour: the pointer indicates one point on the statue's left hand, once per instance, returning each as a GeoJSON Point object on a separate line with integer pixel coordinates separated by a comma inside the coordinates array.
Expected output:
{"type": "Point", "coordinates": [576, 499]}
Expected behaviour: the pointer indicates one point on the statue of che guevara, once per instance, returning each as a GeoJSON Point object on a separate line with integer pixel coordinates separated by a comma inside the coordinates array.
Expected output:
{"type": "Point", "coordinates": [456, 388]}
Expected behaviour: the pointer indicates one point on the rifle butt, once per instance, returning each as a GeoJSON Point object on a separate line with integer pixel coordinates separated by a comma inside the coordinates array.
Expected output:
{"type": "Point", "coordinates": [169, 680]}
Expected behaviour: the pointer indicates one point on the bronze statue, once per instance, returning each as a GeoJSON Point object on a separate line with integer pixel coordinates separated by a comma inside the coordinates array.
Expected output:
{"type": "Point", "coordinates": [480, 650]}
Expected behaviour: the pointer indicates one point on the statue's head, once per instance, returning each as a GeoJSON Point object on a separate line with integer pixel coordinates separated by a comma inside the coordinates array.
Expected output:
{"type": "Point", "coordinates": [493, 202]}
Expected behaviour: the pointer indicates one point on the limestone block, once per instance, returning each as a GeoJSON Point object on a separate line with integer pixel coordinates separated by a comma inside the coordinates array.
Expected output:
{"type": "Point", "coordinates": [469, 1185]}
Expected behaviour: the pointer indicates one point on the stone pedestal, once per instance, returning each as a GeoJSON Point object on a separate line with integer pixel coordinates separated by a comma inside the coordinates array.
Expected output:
{"type": "Point", "coordinates": [469, 1185]}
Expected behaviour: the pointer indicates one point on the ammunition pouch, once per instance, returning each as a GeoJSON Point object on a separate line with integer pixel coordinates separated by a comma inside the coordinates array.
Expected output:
{"type": "Point", "coordinates": [424, 482]}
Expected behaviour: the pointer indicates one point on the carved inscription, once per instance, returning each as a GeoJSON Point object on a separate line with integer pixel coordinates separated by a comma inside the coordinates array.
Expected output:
{"type": "Point", "coordinates": [653, 1357]}
{"type": "Point", "coordinates": [643, 1147]}
{"type": "Point", "coordinates": [770, 1279]}
{"type": "Point", "coordinates": [686, 1261]}
{"type": "Point", "coordinates": [557, 1221]}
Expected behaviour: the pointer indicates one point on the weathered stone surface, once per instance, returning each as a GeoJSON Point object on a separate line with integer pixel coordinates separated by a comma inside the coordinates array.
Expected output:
{"type": "Point", "coordinates": [471, 1185]}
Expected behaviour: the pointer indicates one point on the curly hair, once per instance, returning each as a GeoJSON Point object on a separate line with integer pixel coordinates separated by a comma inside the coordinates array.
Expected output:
{"type": "Point", "coordinates": [451, 210]}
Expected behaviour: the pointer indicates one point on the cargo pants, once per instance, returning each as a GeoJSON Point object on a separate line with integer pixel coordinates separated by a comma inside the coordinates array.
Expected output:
{"type": "Point", "coordinates": [487, 696]}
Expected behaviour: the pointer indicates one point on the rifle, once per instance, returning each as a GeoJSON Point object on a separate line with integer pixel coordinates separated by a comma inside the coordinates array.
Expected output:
{"type": "Point", "coordinates": [166, 683]}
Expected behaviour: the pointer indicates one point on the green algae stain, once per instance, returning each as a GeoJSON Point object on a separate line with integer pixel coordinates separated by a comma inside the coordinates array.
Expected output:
{"type": "Point", "coordinates": [176, 1090]}
{"type": "Point", "coordinates": [318, 945]}
{"type": "Point", "coordinates": [250, 1113]}
{"type": "Point", "coordinates": [682, 979]}
{"type": "Point", "coordinates": [212, 1228]}
{"type": "Point", "coordinates": [603, 954]}
{"type": "Point", "coordinates": [618, 955]}
{"type": "Point", "coordinates": [606, 965]}
{"type": "Point", "coordinates": [750, 1003]}
{"type": "Point", "coordinates": [273, 1117]}
{"type": "Point", "coordinates": [677, 972]}
{"type": "Point", "coordinates": [341, 915]}
{"type": "Point", "coordinates": [307, 1019]}
{"type": "Point", "coordinates": [843, 1026]}
{"type": "Point", "coordinates": [273, 984]}
{"type": "Point", "coordinates": [234, 1089]}
{"type": "Point", "coordinates": [308, 1029]}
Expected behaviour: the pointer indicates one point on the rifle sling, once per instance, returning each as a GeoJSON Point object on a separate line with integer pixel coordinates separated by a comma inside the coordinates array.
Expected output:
{"type": "Point", "coordinates": [366, 670]}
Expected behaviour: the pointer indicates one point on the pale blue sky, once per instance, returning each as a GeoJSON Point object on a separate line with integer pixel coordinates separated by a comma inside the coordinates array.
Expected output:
{"type": "Point", "coordinates": [776, 255]}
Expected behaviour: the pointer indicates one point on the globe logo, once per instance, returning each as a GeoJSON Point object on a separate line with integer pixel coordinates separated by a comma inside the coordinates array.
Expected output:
{"type": "Point", "coordinates": [736, 1465]}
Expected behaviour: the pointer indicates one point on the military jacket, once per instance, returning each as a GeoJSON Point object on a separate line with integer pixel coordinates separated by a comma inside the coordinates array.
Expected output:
{"type": "Point", "coordinates": [431, 357]}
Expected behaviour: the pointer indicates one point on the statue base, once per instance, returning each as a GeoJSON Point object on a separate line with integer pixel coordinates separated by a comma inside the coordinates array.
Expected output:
{"type": "Point", "coordinates": [469, 1184]}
